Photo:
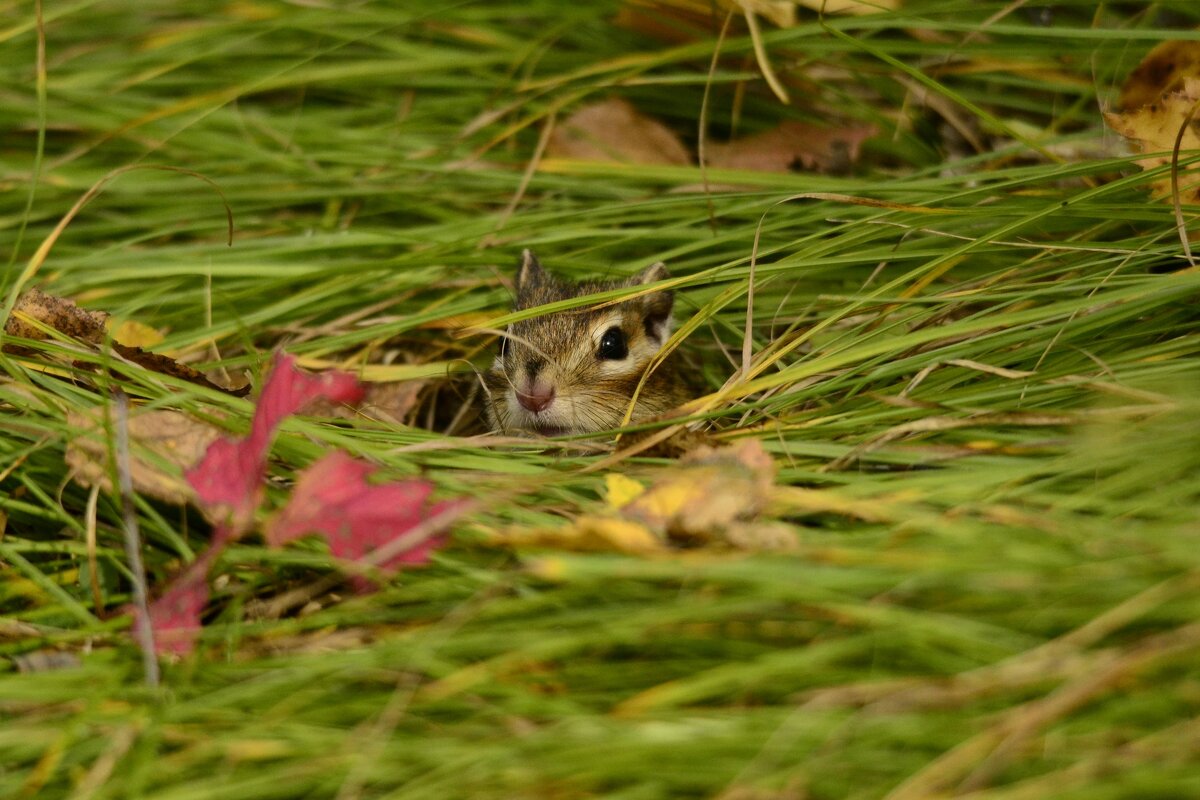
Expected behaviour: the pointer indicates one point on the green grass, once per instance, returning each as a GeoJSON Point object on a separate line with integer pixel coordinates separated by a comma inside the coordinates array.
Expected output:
{"type": "Point", "coordinates": [1004, 606]}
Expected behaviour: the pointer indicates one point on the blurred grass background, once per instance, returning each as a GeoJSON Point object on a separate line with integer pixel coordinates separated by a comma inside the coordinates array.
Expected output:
{"type": "Point", "coordinates": [996, 596]}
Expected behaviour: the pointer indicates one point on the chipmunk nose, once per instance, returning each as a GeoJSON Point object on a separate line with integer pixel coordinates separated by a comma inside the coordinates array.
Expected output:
{"type": "Point", "coordinates": [538, 397]}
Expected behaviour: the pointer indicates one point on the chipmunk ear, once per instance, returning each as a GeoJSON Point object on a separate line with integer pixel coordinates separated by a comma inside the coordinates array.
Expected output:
{"type": "Point", "coordinates": [656, 307]}
{"type": "Point", "coordinates": [655, 272]}
{"type": "Point", "coordinates": [530, 274]}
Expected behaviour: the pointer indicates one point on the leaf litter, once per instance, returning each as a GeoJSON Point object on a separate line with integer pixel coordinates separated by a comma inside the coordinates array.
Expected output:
{"type": "Point", "coordinates": [37, 311]}
{"type": "Point", "coordinates": [614, 130]}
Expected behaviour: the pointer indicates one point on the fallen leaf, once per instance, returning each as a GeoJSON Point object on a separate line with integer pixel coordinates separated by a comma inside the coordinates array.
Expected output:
{"type": "Point", "coordinates": [1155, 100]}
{"type": "Point", "coordinates": [35, 306]}
{"type": "Point", "coordinates": [713, 491]}
{"type": "Point", "coordinates": [1163, 71]}
{"type": "Point", "coordinates": [36, 310]}
{"type": "Point", "coordinates": [622, 535]}
{"type": "Point", "coordinates": [613, 130]}
{"type": "Point", "coordinates": [620, 490]}
{"type": "Point", "coordinates": [132, 333]}
{"type": "Point", "coordinates": [228, 481]}
{"type": "Point", "coordinates": [333, 499]}
{"type": "Point", "coordinates": [175, 616]}
{"type": "Point", "coordinates": [1153, 129]}
{"type": "Point", "coordinates": [713, 495]}
{"type": "Point", "coordinates": [165, 365]}
{"type": "Point", "coordinates": [587, 533]}
{"type": "Point", "coordinates": [163, 443]}
{"type": "Point", "coordinates": [792, 144]}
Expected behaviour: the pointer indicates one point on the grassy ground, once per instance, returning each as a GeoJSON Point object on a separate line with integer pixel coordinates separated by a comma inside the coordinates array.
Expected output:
{"type": "Point", "coordinates": [995, 595]}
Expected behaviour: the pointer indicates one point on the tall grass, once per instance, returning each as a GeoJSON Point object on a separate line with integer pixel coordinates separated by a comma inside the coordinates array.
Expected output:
{"type": "Point", "coordinates": [989, 382]}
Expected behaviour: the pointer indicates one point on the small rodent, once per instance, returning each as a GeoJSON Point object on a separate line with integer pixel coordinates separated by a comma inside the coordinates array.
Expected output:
{"type": "Point", "coordinates": [575, 371]}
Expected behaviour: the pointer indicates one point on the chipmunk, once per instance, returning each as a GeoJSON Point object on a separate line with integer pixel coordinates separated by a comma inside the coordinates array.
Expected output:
{"type": "Point", "coordinates": [575, 371]}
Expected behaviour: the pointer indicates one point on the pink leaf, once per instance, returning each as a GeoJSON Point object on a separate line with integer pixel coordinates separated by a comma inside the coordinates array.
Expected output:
{"type": "Point", "coordinates": [229, 478]}
{"type": "Point", "coordinates": [332, 498]}
{"type": "Point", "coordinates": [228, 482]}
{"type": "Point", "coordinates": [175, 617]}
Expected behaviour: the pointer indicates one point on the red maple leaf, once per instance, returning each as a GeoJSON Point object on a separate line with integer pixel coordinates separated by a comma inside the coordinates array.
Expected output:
{"type": "Point", "coordinates": [229, 479]}
{"type": "Point", "coordinates": [175, 616]}
{"type": "Point", "coordinates": [228, 483]}
{"type": "Point", "coordinates": [362, 521]}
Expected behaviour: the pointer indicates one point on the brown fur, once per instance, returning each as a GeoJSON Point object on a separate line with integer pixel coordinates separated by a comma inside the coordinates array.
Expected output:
{"type": "Point", "coordinates": [592, 394]}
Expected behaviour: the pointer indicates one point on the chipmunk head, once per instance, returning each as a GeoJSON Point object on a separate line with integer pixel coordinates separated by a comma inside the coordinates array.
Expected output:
{"type": "Point", "coordinates": [575, 371]}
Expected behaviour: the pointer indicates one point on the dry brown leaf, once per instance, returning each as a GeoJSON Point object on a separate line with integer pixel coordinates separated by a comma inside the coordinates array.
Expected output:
{"type": "Point", "coordinates": [35, 306]}
{"type": "Point", "coordinates": [1162, 72]}
{"type": "Point", "coordinates": [54, 312]}
{"type": "Point", "coordinates": [1153, 128]}
{"type": "Point", "coordinates": [613, 130]}
{"type": "Point", "coordinates": [163, 444]}
{"type": "Point", "coordinates": [1155, 101]}
{"type": "Point", "coordinates": [793, 144]}
{"type": "Point", "coordinates": [391, 402]}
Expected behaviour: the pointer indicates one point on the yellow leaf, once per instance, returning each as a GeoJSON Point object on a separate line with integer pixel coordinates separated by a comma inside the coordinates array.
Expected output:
{"type": "Point", "coordinates": [619, 489]}
{"type": "Point", "coordinates": [587, 533]}
{"type": "Point", "coordinates": [1158, 105]}
{"type": "Point", "coordinates": [670, 497]}
{"type": "Point", "coordinates": [134, 334]}
{"type": "Point", "coordinates": [623, 535]}
{"type": "Point", "coordinates": [551, 568]}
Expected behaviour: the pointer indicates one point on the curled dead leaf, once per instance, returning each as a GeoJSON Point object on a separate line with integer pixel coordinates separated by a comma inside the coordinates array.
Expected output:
{"type": "Point", "coordinates": [1154, 128]}
{"type": "Point", "coordinates": [35, 306]}
{"type": "Point", "coordinates": [36, 310]}
{"type": "Point", "coordinates": [1158, 99]}
{"type": "Point", "coordinates": [1162, 72]}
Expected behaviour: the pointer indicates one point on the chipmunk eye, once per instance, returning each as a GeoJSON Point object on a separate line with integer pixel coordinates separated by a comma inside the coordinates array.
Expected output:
{"type": "Point", "coordinates": [613, 345]}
